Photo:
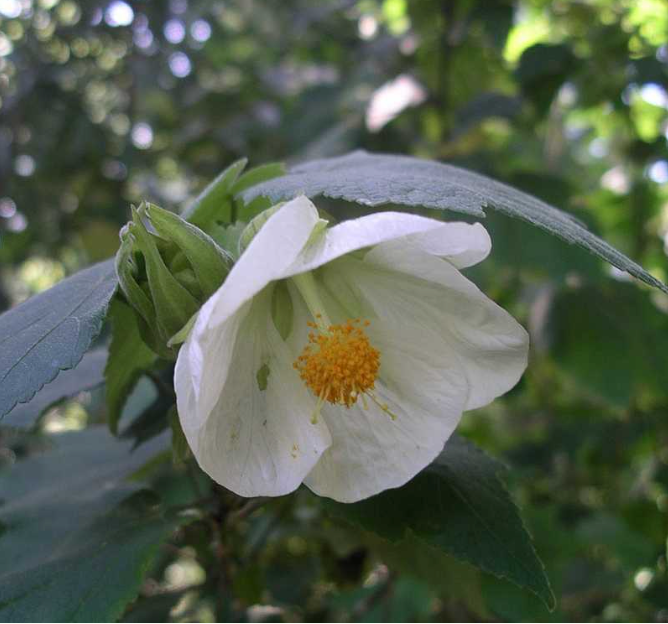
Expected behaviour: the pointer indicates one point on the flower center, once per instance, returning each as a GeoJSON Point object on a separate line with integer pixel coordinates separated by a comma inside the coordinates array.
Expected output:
{"type": "Point", "coordinates": [339, 363]}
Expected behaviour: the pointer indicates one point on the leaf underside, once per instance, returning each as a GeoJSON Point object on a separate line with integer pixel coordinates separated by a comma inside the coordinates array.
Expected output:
{"type": "Point", "coordinates": [88, 374]}
{"type": "Point", "coordinates": [51, 331]}
{"type": "Point", "coordinates": [379, 179]}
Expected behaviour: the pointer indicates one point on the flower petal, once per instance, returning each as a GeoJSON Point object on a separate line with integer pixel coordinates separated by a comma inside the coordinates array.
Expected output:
{"type": "Point", "coordinates": [273, 249]}
{"type": "Point", "coordinates": [419, 289]}
{"type": "Point", "coordinates": [204, 360]}
{"type": "Point", "coordinates": [372, 451]}
{"type": "Point", "coordinates": [258, 440]}
{"type": "Point", "coordinates": [360, 233]}
{"type": "Point", "coordinates": [461, 244]}
{"type": "Point", "coordinates": [202, 368]}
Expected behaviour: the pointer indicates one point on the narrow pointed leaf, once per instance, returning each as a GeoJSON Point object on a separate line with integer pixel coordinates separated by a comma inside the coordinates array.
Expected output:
{"type": "Point", "coordinates": [257, 175]}
{"type": "Point", "coordinates": [213, 202]}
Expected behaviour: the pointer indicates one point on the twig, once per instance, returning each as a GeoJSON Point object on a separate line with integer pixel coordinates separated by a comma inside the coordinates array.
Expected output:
{"type": "Point", "coordinates": [234, 517]}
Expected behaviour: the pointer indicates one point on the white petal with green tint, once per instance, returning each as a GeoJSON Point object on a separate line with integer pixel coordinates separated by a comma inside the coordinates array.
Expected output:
{"type": "Point", "coordinates": [419, 289]}
{"type": "Point", "coordinates": [258, 439]}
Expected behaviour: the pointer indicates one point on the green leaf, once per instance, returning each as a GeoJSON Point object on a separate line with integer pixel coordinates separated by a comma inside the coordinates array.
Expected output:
{"type": "Point", "coordinates": [155, 608]}
{"type": "Point", "coordinates": [51, 331]}
{"type": "Point", "coordinates": [213, 202]}
{"type": "Point", "coordinates": [257, 175]}
{"type": "Point", "coordinates": [146, 414]}
{"type": "Point", "coordinates": [378, 179]}
{"type": "Point", "coordinates": [180, 448]}
{"type": "Point", "coordinates": [88, 374]}
{"type": "Point", "coordinates": [129, 357]}
{"type": "Point", "coordinates": [228, 236]}
{"type": "Point", "coordinates": [78, 536]}
{"type": "Point", "coordinates": [459, 506]}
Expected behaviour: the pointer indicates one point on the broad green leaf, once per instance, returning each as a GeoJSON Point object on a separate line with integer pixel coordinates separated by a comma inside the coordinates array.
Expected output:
{"type": "Point", "coordinates": [78, 536]}
{"type": "Point", "coordinates": [129, 357]}
{"type": "Point", "coordinates": [51, 331]}
{"type": "Point", "coordinates": [459, 506]}
{"type": "Point", "coordinates": [378, 179]}
{"type": "Point", "coordinates": [444, 574]}
{"type": "Point", "coordinates": [88, 374]}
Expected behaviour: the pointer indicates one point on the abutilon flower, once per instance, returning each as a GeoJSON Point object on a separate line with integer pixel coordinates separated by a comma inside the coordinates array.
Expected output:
{"type": "Point", "coordinates": [342, 357]}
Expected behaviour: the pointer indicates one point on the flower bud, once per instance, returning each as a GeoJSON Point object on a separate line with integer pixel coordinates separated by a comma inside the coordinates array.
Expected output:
{"type": "Point", "coordinates": [167, 268]}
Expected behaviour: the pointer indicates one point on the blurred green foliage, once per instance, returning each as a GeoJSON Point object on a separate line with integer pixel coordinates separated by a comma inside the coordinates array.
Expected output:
{"type": "Point", "coordinates": [103, 104]}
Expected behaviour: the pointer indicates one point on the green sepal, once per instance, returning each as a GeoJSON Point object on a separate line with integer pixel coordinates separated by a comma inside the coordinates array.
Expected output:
{"type": "Point", "coordinates": [188, 279]}
{"type": "Point", "coordinates": [126, 270]}
{"type": "Point", "coordinates": [209, 262]}
{"type": "Point", "coordinates": [182, 335]}
{"type": "Point", "coordinates": [215, 201]}
{"type": "Point", "coordinates": [174, 305]}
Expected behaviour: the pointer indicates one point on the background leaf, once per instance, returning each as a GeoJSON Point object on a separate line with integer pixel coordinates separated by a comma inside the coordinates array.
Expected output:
{"type": "Point", "coordinates": [378, 179]}
{"type": "Point", "coordinates": [89, 373]}
{"type": "Point", "coordinates": [619, 361]}
{"type": "Point", "coordinates": [78, 536]}
{"type": "Point", "coordinates": [459, 506]}
{"type": "Point", "coordinates": [51, 331]}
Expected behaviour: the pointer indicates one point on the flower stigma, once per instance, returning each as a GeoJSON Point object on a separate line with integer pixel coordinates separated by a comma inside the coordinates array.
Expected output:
{"type": "Point", "coordinates": [338, 364]}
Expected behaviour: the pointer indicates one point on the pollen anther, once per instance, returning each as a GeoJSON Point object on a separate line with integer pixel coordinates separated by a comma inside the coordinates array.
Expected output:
{"type": "Point", "coordinates": [339, 364]}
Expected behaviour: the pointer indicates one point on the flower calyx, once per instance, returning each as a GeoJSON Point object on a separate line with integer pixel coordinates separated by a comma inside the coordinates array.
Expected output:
{"type": "Point", "coordinates": [166, 269]}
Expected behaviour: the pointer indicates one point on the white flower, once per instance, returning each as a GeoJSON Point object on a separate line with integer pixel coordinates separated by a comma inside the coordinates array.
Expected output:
{"type": "Point", "coordinates": [401, 344]}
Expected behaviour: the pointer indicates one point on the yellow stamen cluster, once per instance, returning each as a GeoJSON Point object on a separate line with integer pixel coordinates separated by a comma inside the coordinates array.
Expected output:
{"type": "Point", "coordinates": [339, 364]}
